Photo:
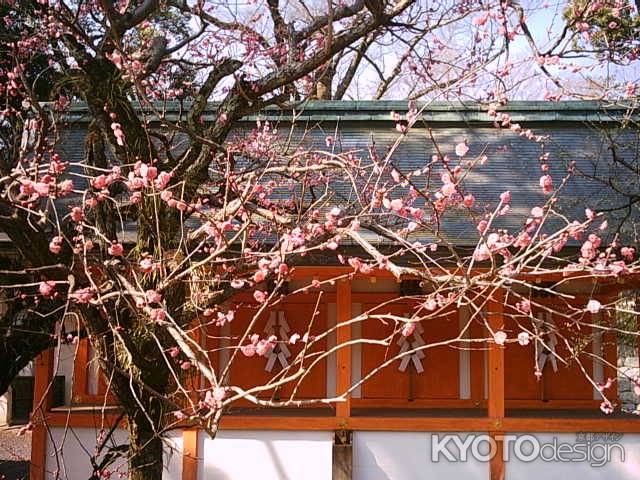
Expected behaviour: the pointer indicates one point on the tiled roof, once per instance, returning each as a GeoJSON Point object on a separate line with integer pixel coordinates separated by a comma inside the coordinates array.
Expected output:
{"type": "Point", "coordinates": [572, 129]}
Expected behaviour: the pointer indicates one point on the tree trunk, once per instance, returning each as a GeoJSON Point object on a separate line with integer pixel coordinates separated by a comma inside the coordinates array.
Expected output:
{"type": "Point", "coordinates": [145, 451]}
{"type": "Point", "coordinates": [146, 412]}
{"type": "Point", "coordinates": [325, 82]}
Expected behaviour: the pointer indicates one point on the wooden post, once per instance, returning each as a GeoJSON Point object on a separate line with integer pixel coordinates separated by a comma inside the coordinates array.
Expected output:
{"type": "Point", "coordinates": [342, 468]}
{"type": "Point", "coordinates": [496, 383]}
{"type": "Point", "coordinates": [41, 393]}
{"type": "Point", "coordinates": [343, 355]}
{"type": "Point", "coordinates": [190, 454]}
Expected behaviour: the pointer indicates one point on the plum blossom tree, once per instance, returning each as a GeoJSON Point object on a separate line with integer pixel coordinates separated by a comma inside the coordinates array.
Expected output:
{"type": "Point", "coordinates": [167, 218]}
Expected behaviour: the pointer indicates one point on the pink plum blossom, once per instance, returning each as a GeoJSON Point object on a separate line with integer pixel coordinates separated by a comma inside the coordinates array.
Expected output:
{"type": "Point", "coordinates": [627, 253]}
{"type": "Point", "coordinates": [593, 306]}
{"type": "Point", "coordinates": [83, 295]}
{"type": "Point", "coordinates": [469, 200]}
{"type": "Point", "coordinates": [153, 296]}
{"type": "Point", "coordinates": [157, 314]}
{"type": "Point", "coordinates": [76, 214]}
{"type": "Point", "coordinates": [500, 337]}
{"type": "Point", "coordinates": [523, 338]}
{"type": "Point", "coordinates": [116, 249]}
{"type": "Point", "coordinates": [147, 265]}
{"type": "Point", "coordinates": [408, 329]}
{"type": "Point", "coordinates": [55, 246]}
{"type": "Point", "coordinates": [537, 212]}
{"type": "Point", "coordinates": [546, 183]}
{"type": "Point", "coordinates": [462, 148]}
{"type": "Point", "coordinates": [524, 306]}
{"type": "Point", "coordinates": [248, 350]}
{"type": "Point", "coordinates": [47, 288]}
{"type": "Point", "coordinates": [606, 407]}
{"type": "Point", "coordinates": [260, 296]}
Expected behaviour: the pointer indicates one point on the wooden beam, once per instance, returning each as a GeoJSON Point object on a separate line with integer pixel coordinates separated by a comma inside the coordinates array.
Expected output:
{"type": "Point", "coordinates": [190, 454]}
{"type": "Point", "coordinates": [615, 284]}
{"type": "Point", "coordinates": [392, 424]}
{"type": "Point", "coordinates": [495, 401]}
{"type": "Point", "coordinates": [42, 398]}
{"type": "Point", "coordinates": [432, 403]}
{"type": "Point", "coordinates": [94, 418]}
{"type": "Point", "coordinates": [557, 404]}
{"type": "Point", "coordinates": [622, 424]}
{"type": "Point", "coordinates": [420, 424]}
{"type": "Point", "coordinates": [343, 355]}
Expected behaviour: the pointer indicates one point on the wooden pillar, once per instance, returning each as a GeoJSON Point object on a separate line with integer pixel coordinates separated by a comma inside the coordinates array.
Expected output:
{"type": "Point", "coordinates": [190, 454]}
{"type": "Point", "coordinates": [496, 408]}
{"type": "Point", "coordinates": [343, 355]}
{"type": "Point", "coordinates": [43, 364]}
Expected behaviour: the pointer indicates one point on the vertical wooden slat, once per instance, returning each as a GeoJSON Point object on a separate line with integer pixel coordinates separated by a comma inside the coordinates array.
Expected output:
{"type": "Point", "coordinates": [80, 371]}
{"type": "Point", "coordinates": [496, 381]}
{"type": "Point", "coordinates": [42, 395]}
{"type": "Point", "coordinates": [190, 454]}
{"type": "Point", "coordinates": [610, 350]}
{"type": "Point", "coordinates": [477, 367]}
{"type": "Point", "coordinates": [496, 360]}
{"type": "Point", "coordinates": [343, 355]}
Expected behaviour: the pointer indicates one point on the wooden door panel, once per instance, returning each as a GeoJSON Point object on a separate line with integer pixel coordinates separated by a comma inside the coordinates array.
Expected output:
{"type": "Point", "coordinates": [387, 383]}
{"type": "Point", "coordinates": [519, 365]}
{"type": "Point", "coordinates": [439, 375]}
{"type": "Point", "coordinates": [567, 383]}
{"type": "Point", "coordinates": [248, 372]}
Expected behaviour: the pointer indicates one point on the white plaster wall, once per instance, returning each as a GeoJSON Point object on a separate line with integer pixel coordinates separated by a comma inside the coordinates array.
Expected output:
{"type": "Point", "coordinates": [63, 365]}
{"type": "Point", "coordinates": [5, 402]}
{"type": "Point", "coordinates": [272, 455]}
{"type": "Point", "coordinates": [68, 453]}
{"type": "Point", "coordinates": [629, 469]}
{"type": "Point", "coordinates": [407, 456]}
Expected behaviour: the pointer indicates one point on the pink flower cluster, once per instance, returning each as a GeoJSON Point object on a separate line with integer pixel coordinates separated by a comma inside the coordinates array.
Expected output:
{"type": "Point", "coordinates": [259, 346]}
